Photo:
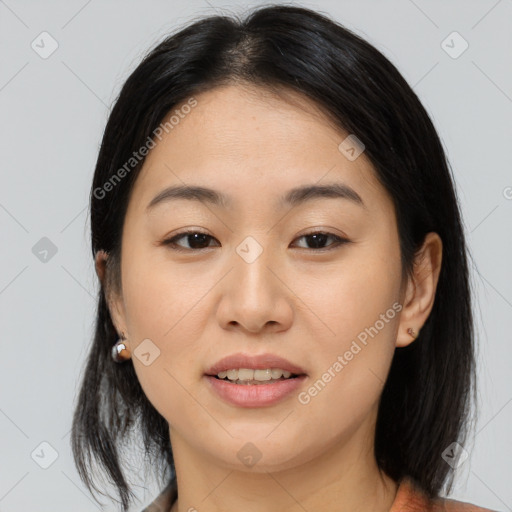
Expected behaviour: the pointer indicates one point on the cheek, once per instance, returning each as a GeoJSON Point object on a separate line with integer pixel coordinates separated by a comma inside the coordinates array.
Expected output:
{"type": "Point", "coordinates": [162, 304]}
{"type": "Point", "coordinates": [358, 293]}
{"type": "Point", "coordinates": [162, 298]}
{"type": "Point", "coordinates": [349, 376]}
{"type": "Point", "coordinates": [355, 341]}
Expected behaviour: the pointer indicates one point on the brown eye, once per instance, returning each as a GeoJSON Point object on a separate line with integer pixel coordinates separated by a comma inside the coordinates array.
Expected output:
{"type": "Point", "coordinates": [318, 239]}
{"type": "Point", "coordinates": [196, 240]}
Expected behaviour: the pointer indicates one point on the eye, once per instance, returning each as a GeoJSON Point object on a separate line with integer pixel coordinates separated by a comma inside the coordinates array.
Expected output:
{"type": "Point", "coordinates": [196, 240]}
{"type": "Point", "coordinates": [319, 238]}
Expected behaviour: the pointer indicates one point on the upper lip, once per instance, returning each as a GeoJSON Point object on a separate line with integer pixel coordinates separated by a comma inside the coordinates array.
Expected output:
{"type": "Point", "coordinates": [257, 362]}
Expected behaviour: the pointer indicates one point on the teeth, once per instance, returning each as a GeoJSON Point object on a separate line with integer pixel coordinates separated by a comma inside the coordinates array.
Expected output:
{"type": "Point", "coordinates": [276, 373]}
{"type": "Point", "coordinates": [232, 374]}
{"type": "Point", "coordinates": [245, 374]}
{"type": "Point", "coordinates": [248, 374]}
{"type": "Point", "coordinates": [263, 374]}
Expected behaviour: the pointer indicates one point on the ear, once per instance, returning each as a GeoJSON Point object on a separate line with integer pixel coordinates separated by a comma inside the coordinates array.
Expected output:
{"type": "Point", "coordinates": [100, 261]}
{"type": "Point", "coordinates": [421, 288]}
{"type": "Point", "coordinates": [114, 301]}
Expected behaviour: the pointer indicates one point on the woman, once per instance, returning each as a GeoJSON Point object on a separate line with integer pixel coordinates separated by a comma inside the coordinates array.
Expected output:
{"type": "Point", "coordinates": [284, 313]}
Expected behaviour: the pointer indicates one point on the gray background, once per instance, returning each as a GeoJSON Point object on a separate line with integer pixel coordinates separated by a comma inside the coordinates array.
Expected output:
{"type": "Point", "coordinates": [53, 112]}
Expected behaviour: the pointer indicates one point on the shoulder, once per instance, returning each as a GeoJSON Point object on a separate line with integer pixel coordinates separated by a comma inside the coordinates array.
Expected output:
{"type": "Point", "coordinates": [448, 505]}
{"type": "Point", "coordinates": [164, 501]}
{"type": "Point", "coordinates": [410, 498]}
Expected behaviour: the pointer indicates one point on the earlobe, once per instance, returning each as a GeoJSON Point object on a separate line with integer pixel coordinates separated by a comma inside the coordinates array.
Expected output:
{"type": "Point", "coordinates": [406, 336]}
{"type": "Point", "coordinates": [412, 332]}
{"type": "Point", "coordinates": [421, 290]}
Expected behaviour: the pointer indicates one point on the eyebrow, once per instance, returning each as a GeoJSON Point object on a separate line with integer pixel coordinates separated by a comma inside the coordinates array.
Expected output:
{"type": "Point", "coordinates": [293, 197]}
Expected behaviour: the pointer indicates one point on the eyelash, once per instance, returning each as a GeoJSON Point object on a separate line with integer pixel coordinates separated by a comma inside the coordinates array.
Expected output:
{"type": "Point", "coordinates": [171, 242]}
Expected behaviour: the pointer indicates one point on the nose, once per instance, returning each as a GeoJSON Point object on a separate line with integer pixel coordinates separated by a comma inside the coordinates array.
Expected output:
{"type": "Point", "coordinates": [254, 296]}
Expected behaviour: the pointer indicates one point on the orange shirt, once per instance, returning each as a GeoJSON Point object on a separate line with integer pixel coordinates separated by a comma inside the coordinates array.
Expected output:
{"type": "Point", "coordinates": [408, 498]}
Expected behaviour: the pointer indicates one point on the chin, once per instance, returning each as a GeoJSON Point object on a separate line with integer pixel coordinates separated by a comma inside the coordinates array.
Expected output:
{"type": "Point", "coordinates": [260, 455]}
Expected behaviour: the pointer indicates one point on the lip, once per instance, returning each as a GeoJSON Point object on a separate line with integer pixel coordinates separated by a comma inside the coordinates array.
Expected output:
{"type": "Point", "coordinates": [254, 395]}
{"type": "Point", "coordinates": [256, 362]}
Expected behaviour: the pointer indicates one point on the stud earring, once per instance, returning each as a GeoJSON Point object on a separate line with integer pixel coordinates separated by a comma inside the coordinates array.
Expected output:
{"type": "Point", "coordinates": [412, 332]}
{"type": "Point", "coordinates": [120, 352]}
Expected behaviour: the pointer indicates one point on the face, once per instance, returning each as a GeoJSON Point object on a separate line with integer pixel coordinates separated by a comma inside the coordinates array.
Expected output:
{"type": "Point", "coordinates": [315, 281]}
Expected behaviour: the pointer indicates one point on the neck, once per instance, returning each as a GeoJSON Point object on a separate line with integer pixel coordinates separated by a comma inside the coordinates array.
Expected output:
{"type": "Point", "coordinates": [345, 478]}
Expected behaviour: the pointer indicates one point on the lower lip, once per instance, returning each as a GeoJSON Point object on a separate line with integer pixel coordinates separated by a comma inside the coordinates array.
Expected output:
{"type": "Point", "coordinates": [255, 395]}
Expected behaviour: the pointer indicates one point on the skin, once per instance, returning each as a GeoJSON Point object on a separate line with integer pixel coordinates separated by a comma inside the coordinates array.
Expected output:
{"type": "Point", "coordinates": [302, 303]}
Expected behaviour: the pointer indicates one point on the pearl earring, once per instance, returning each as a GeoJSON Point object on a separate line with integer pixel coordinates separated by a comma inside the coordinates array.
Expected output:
{"type": "Point", "coordinates": [120, 352]}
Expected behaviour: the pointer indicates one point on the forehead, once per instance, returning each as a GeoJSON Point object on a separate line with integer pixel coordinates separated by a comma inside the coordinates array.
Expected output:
{"type": "Point", "coordinates": [250, 143]}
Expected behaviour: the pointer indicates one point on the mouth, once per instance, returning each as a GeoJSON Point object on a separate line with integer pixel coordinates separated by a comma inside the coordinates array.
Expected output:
{"type": "Point", "coordinates": [258, 368]}
{"type": "Point", "coordinates": [251, 376]}
{"type": "Point", "coordinates": [254, 381]}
